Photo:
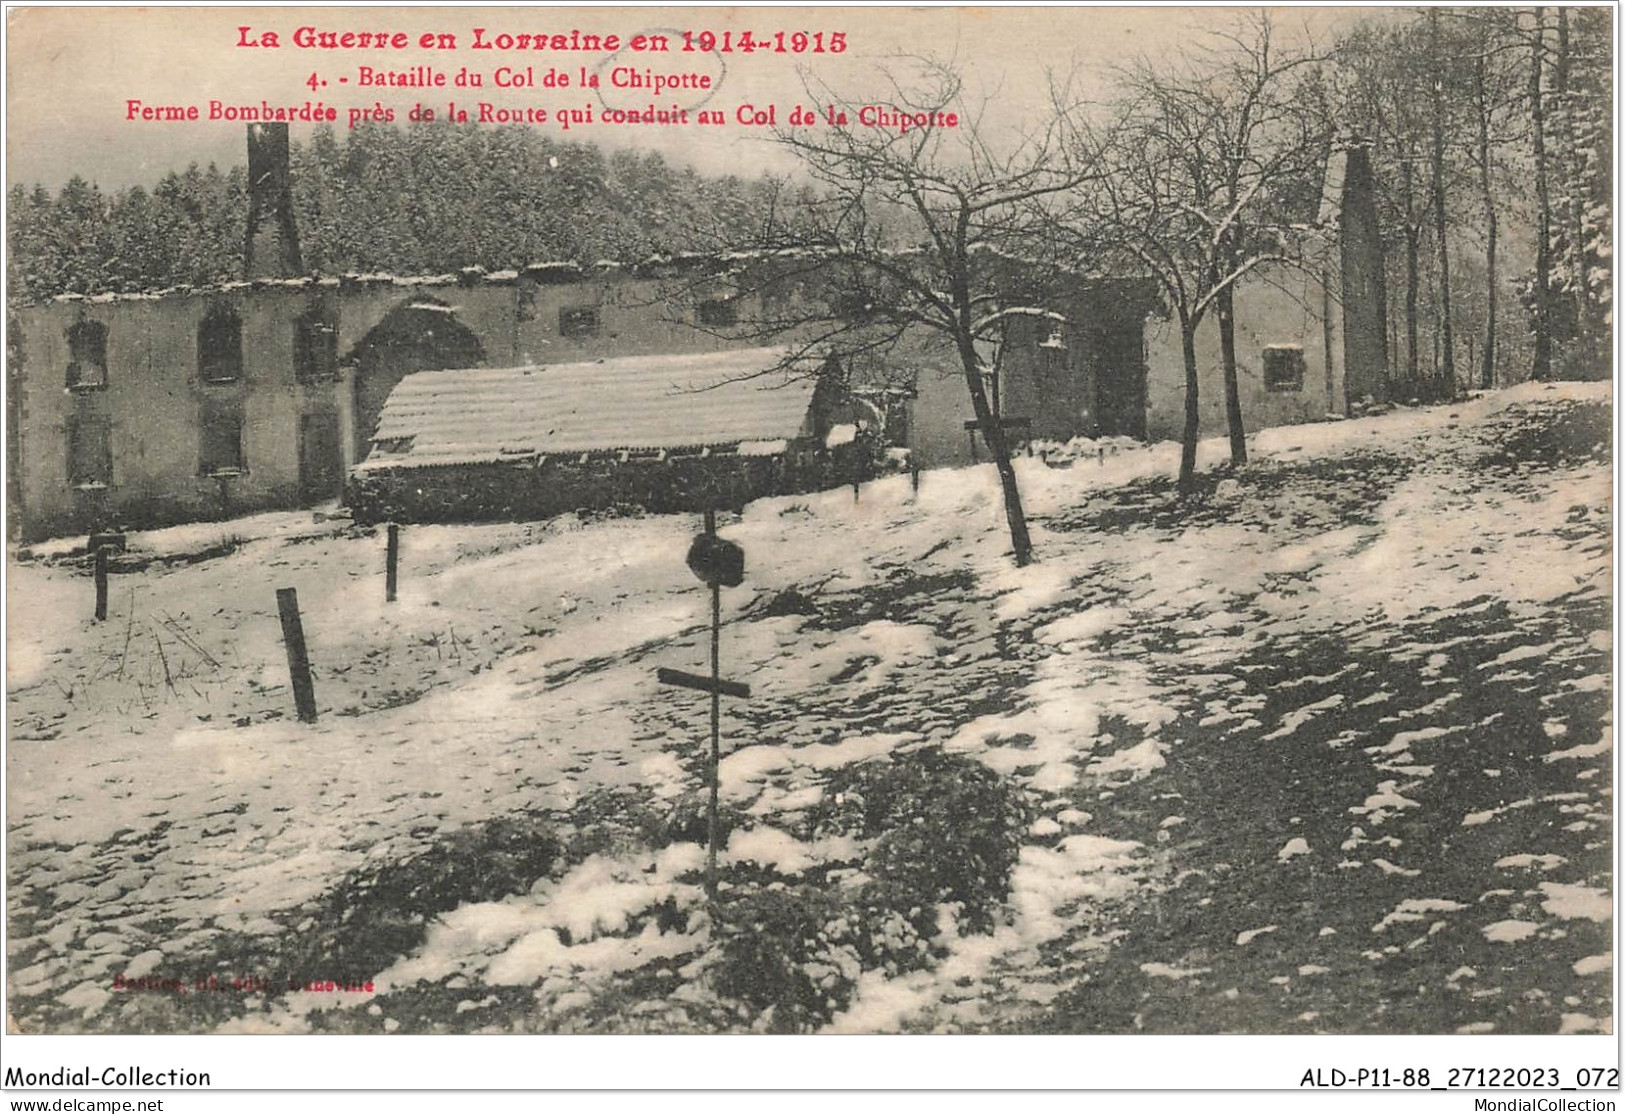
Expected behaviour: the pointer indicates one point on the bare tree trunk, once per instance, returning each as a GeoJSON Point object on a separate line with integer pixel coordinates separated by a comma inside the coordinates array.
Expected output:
{"type": "Point", "coordinates": [1447, 373]}
{"type": "Point", "coordinates": [1226, 307]}
{"type": "Point", "coordinates": [998, 446]}
{"type": "Point", "coordinates": [1393, 341]}
{"type": "Point", "coordinates": [1486, 371]}
{"type": "Point", "coordinates": [1542, 368]}
{"type": "Point", "coordinates": [1327, 342]}
{"type": "Point", "coordinates": [1573, 190]}
{"type": "Point", "coordinates": [1413, 274]}
{"type": "Point", "coordinates": [1193, 412]}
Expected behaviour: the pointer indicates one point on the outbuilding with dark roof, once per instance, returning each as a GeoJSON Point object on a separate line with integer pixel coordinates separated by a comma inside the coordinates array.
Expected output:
{"type": "Point", "coordinates": [660, 432]}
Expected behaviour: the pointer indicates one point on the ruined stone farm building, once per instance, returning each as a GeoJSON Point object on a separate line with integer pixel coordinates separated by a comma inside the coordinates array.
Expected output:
{"type": "Point", "coordinates": [136, 410]}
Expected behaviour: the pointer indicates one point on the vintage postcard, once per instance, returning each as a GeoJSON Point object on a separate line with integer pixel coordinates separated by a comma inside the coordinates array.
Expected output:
{"type": "Point", "coordinates": [1068, 521]}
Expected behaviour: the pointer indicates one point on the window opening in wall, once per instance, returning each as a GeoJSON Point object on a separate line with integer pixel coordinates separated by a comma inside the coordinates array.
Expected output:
{"type": "Point", "coordinates": [90, 451]}
{"type": "Point", "coordinates": [220, 346]}
{"type": "Point", "coordinates": [221, 450]}
{"type": "Point", "coordinates": [579, 321]}
{"type": "Point", "coordinates": [527, 302]}
{"type": "Point", "coordinates": [855, 305]}
{"type": "Point", "coordinates": [87, 355]}
{"type": "Point", "coordinates": [719, 312]}
{"type": "Point", "coordinates": [1052, 353]}
{"type": "Point", "coordinates": [1283, 367]}
{"type": "Point", "coordinates": [315, 346]}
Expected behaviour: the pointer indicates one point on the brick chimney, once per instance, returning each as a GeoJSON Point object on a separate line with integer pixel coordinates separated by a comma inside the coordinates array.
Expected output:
{"type": "Point", "coordinates": [1364, 293]}
{"type": "Point", "coordinates": [272, 246]}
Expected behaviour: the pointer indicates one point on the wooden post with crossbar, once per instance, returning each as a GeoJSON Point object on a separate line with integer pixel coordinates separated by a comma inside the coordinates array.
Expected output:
{"type": "Point", "coordinates": [717, 562]}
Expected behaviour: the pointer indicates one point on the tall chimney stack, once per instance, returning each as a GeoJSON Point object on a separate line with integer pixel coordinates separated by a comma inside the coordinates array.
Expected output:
{"type": "Point", "coordinates": [1365, 293]}
{"type": "Point", "coordinates": [272, 247]}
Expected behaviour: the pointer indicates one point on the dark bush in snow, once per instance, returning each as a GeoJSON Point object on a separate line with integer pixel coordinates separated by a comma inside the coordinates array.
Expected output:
{"type": "Point", "coordinates": [789, 955]}
{"type": "Point", "coordinates": [948, 829]}
{"type": "Point", "coordinates": [942, 831]}
{"type": "Point", "coordinates": [380, 912]}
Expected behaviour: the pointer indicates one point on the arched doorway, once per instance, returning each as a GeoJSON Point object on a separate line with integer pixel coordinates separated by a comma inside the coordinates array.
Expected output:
{"type": "Point", "coordinates": [420, 335]}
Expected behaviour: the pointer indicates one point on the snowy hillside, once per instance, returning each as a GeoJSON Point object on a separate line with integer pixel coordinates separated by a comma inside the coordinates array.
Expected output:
{"type": "Point", "coordinates": [1324, 749]}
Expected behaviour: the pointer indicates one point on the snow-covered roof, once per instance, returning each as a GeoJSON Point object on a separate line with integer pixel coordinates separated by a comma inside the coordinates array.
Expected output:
{"type": "Point", "coordinates": [548, 272]}
{"type": "Point", "coordinates": [689, 401]}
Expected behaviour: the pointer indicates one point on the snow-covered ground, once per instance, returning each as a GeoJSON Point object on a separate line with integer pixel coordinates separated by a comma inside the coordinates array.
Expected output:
{"type": "Point", "coordinates": [1327, 748]}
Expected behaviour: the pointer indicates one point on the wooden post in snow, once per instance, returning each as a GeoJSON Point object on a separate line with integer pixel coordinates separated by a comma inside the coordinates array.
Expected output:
{"type": "Point", "coordinates": [717, 562]}
{"type": "Point", "coordinates": [293, 637]}
{"type": "Point", "coordinates": [101, 583]}
{"type": "Point", "coordinates": [392, 557]}
{"type": "Point", "coordinates": [973, 426]}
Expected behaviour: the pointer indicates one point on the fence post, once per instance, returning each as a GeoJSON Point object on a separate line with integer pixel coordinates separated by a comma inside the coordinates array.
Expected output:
{"type": "Point", "coordinates": [293, 637]}
{"type": "Point", "coordinates": [101, 583]}
{"type": "Point", "coordinates": [391, 562]}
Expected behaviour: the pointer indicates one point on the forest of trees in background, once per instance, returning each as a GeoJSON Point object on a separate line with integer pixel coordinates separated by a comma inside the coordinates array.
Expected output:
{"type": "Point", "coordinates": [427, 199]}
{"type": "Point", "coordinates": [1491, 139]}
{"type": "Point", "coordinates": [1489, 129]}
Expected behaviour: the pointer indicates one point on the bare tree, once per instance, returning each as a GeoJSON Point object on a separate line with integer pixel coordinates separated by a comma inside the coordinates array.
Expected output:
{"type": "Point", "coordinates": [1476, 54]}
{"type": "Point", "coordinates": [1441, 236]}
{"type": "Point", "coordinates": [1213, 169]}
{"type": "Point", "coordinates": [919, 220]}
{"type": "Point", "coordinates": [1571, 207]}
{"type": "Point", "coordinates": [1569, 85]}
{"type": "Point", "coordinates": [1541, 290]}
{"type": "Point", "coordinates": [1579, 309]}
{"type": "Point", "coordinates": [1490, 93]}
